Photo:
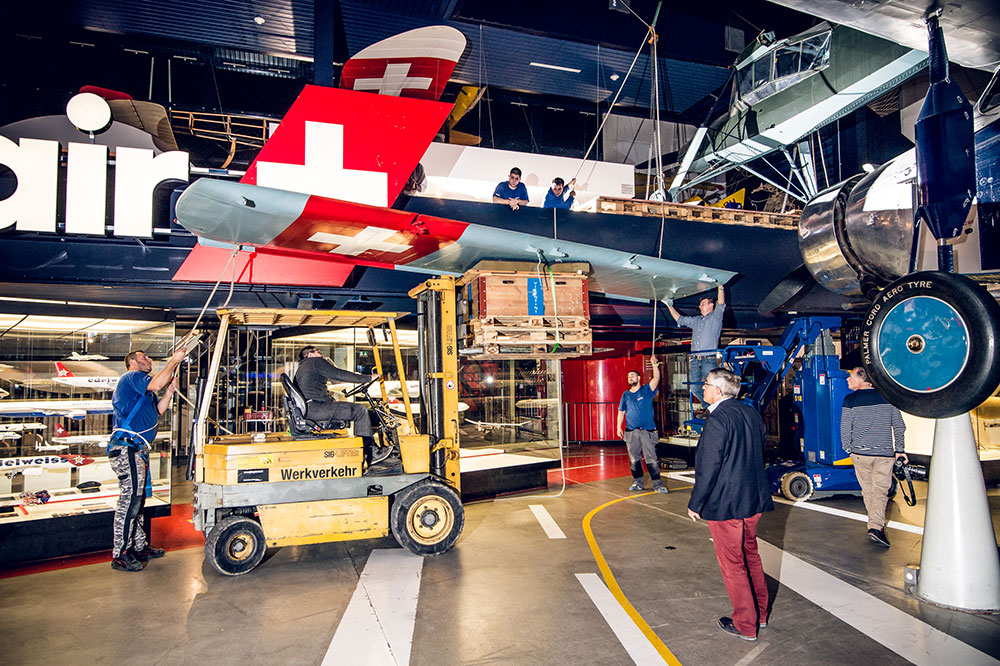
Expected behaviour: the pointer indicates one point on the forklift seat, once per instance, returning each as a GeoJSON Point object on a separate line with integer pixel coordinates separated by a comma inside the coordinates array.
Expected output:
{"type": "Point", "coordinates": [296, 407]}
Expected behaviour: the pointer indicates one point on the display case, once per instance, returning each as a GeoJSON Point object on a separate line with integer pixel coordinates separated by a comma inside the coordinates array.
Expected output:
{"type": "Point", "coordinates": [57, 375]}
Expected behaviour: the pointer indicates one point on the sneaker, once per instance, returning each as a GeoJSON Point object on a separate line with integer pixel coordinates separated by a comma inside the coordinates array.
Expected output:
{"type": "Point", "coordinates": [148, 553]}
{"type": "Point", "coordinates": [762, 625]}
{"type": "Point", "coordinates": [637, 485]}
{"type": "Point", "coordinates": [878, 537]}
{"type": "Point", "coordinates": [726, 624]}
{"type": "Point", "coordinates": [660, 488]}
{"type": "Point", "coordinates": [126, 563]}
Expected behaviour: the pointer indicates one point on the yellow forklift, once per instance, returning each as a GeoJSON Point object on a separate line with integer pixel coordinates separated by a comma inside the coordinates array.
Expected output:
{"type": "Point", "coordinates": [308, 485]}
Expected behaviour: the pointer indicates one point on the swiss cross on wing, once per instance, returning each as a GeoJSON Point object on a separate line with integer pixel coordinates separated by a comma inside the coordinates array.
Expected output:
{"type": "Point", "coordinates": [330, 132]}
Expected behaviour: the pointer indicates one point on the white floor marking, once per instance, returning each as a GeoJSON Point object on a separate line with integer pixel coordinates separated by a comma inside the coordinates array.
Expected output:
{"type": "Point", "coordinates": [904, 634]}
{"type": "Point", "coordinates": [688, 477]}
{"type": "Point", "coordinates": [638, 646]}
{"type": "Point", "coordinates": [377, 627]}
{"type": "Point", "coordinates": [752, 654]}
{"type": "Point", "coordinates": [545, 520]}
{"type": "Point", "coordinates": [852, 515]}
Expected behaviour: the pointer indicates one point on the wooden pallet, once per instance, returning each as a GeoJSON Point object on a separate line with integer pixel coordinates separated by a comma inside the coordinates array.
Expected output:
{"type": "Point", "coordinates": [695, 213]}
{"type": "Point", "coordinates": [578, 331]}
{"type": "Point", "coordinates": [534, 350]}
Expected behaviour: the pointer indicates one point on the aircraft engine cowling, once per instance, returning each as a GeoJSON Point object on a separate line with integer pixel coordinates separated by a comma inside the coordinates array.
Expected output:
{"type": "Point", "coordinates": [856, 236]}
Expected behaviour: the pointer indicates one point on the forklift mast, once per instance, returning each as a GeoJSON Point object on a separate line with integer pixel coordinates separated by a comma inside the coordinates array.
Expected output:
{"type": "Point", "coordinates": [437, 365]}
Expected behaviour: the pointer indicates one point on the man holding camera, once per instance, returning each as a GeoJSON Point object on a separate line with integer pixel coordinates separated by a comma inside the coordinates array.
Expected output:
{"type": "Point", "coordinates": [871, 430]}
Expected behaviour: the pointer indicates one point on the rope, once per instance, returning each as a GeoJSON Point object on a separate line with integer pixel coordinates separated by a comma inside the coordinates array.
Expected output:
{"type": "Point", "coordinates": [613, 102]}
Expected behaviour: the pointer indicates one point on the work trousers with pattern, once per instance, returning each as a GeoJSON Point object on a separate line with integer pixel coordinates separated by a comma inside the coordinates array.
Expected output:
{"type": "Point", "coordinates": [875, 476]}
{"type": "Point", "coordinates": [642, 444]}
{"type": "Point", "coordinates": [130, 467]}
{"type": "Point", "coordinates": [742, 572]}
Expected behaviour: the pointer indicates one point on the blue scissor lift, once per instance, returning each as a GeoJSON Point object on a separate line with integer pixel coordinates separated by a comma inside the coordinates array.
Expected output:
{"type": "Point", "coordinates": [819, 390]}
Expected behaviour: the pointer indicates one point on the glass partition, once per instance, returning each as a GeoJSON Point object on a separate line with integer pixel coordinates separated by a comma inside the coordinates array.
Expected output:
{"type": "Point", "coordinates": [57, 375]}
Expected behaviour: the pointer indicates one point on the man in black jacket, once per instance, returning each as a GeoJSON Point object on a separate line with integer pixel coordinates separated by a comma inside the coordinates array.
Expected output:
{"type": "Point", "coordinates": [730, 492]}
{"type": "Point", "coordinates": [311, 377]}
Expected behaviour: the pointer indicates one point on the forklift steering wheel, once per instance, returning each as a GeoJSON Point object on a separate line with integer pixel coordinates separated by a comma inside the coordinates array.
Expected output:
{"type": "Point", "coordinates": [360, 387]}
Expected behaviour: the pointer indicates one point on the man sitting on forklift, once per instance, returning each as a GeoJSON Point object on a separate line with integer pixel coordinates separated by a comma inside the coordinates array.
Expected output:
{"type": "Point", "coordinates": [314, 371]}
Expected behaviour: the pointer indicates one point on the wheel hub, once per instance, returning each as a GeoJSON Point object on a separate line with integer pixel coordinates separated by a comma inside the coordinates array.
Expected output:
{"type": "Point", "coordinates": [923, 344]}
{"type": "Point", "coordinates": [430, 519]}
{"type": "Point", "coordinates": [239, 547]}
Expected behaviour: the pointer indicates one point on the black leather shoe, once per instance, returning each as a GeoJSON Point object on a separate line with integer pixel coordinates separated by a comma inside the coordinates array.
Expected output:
{"type": "Point", "coordinates": [726, 624]}
{"type": "Point", "coordinates": [126, 563]}
{"type": "Point", "coordinates": [878, 537]}
{"type": "Point", "coordinates": [148, 553]}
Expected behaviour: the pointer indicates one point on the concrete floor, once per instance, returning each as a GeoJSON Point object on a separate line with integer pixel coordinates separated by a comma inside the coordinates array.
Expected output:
{"type": "Point", "coordinates": [509, 594]}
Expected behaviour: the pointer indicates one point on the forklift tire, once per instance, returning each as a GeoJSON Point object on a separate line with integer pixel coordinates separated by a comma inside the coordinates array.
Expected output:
{"type": "Point", "coordinates": [235, 545]}
{"type": "Point", "coordinates": [930, 344]}
{"type": "Point", "coordinates": [797, 486]}
{"type": "Point", "coordinates": [427, 518]}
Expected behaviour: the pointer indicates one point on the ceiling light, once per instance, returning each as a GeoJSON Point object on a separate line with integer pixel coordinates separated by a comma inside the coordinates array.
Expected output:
{"type": "Point", "coordinates": [614, 77]}
{"type": "Point", "coordinates": [259, 20]}
{"type": "Point", "coordinates": [868, 167]}
{"type": "Point", "coordinates": [555, 67]}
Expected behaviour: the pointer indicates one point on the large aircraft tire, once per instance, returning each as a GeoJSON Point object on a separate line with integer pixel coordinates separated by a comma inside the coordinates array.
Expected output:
{"type": "Point", "coordinates": [930, 344]}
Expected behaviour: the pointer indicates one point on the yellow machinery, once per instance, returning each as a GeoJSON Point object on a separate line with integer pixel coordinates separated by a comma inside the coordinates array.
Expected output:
{"type": "Point", "coordinates": [275, 489]}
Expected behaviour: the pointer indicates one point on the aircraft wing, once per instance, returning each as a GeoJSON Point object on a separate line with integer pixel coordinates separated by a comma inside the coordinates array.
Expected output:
{"type": "Point", "coordinates": [309, 226]}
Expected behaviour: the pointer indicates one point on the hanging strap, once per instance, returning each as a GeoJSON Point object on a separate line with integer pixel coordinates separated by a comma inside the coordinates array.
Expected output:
{"type": "Point", "coordinates": [911, 499]}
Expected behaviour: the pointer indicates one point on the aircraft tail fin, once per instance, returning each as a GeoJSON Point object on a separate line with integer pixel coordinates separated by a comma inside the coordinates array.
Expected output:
{"type": "Point", "coordinates": [61, 370]}
{"type": "Point", "coordinates": [60, 430]}
{"type": "Point", "coordinates": [416, 63]}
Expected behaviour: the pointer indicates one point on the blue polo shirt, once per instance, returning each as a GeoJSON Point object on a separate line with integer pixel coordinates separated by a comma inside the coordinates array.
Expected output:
{"type": "Point", "coordinates": [132, 388]}
{"type": "Point", "coordinates": [504, 192]}
{"type": "Point", "coordinates": [638, 408]}
{"type": "Point", "coordinates": [552, 201]}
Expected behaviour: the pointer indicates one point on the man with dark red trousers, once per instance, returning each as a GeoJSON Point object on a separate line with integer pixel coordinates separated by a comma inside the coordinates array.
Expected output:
{"type": "Point", "coordinates": [730, 492]}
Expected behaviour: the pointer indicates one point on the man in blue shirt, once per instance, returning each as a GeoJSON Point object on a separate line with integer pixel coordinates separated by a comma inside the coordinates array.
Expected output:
{"type": "Point", "coordinates": [137, 411]}
{"type": "Point", "coordinates": [513, 192]}
{"type": "Point", "coordinates": [637, 427]}
{"type": "Point", "coordinates": [705, 331]}
{"type": "Point", "coordinates": [554, 198]}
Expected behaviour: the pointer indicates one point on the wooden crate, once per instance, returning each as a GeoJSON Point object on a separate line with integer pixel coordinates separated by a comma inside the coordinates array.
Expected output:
{"type": "Point", "coordinates": [500, 320]}
{"type": "Point", "coordinates": [501, 289]}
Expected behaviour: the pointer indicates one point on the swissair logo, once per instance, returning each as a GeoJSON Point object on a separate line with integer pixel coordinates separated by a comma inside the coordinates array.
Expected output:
{"type": "Point", "coordinates": [370, 238]}
{"type": "Point", "coordinates": [323, 171]}
{"type": "Point", "coordinates": [394, 81]}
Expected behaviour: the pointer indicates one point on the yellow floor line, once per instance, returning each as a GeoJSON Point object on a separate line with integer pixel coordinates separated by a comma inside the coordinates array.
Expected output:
{"type": "Point", "coordinates": [616, 591]}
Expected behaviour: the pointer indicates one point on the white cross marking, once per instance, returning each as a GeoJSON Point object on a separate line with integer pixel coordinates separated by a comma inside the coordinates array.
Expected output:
{"type": "Point", "coordinates": [370, 238]}
{"type": "Point", "coordinates": [323, 172]}
{"type": "Point", "coordinates": [394, 80]}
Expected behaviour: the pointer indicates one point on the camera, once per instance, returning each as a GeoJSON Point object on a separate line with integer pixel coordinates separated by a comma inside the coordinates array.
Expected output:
{"type": "Point", "coordinates": [902, 470]}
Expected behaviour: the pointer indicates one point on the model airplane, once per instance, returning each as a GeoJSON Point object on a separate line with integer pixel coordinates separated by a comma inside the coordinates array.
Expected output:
{"type": "Point", "coordinates": [485, 426]}
{"type": "Point", "coordinates": [47, 447]}
{"type": "Point", "coordinates": [74, 409]}
{"type": "Point", "coordinates": [63, 437]}
{"type": "Point", "coordinates": [9, 434]}
{"type": "Point", "coordinates": [319, 191]}
{"type": "Point", "coordinates": [21, 427]}
{"type": "Point", "coordinates": [67, 378]}
{"type": "Point", "coordinates": [76, 356]}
